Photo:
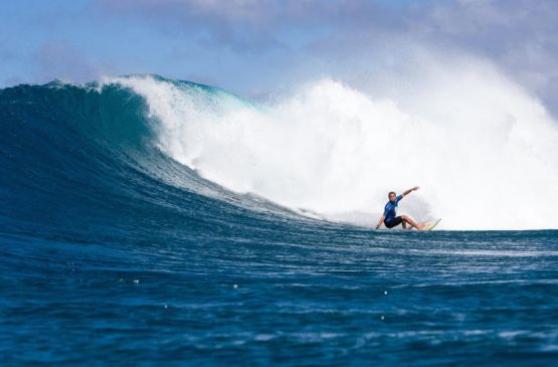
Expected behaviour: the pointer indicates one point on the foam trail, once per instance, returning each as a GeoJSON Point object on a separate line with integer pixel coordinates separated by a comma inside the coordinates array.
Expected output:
{"type": "Point", "coordinates": [484, 151]}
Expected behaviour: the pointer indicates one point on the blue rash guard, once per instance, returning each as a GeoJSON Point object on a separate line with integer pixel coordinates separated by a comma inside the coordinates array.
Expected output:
{"type": "Point", "coordinates": [390, 210]}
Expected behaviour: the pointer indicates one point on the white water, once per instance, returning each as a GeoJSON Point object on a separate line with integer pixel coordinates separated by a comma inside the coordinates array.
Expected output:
{"type": "Point", "coordinates": [484, 152]}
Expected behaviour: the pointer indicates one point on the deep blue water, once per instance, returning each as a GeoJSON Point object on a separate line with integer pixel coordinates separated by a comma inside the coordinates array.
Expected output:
{"type": "Point", "coordinates": [112, 253]}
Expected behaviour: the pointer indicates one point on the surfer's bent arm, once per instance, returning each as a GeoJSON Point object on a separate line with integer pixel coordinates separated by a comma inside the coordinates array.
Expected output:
{"type": "Point", "coordinates": [410, 190]}
{"type": "Point", "coordinates": [380, 222]}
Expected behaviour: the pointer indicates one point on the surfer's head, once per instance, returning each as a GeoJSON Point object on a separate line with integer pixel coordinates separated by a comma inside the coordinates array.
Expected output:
{"type": "Point", "coordinates": [392, 196]}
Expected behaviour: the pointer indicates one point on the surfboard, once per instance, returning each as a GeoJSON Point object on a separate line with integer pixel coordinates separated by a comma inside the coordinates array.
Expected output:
{"type": "Point", "coordinates": [430, 225]}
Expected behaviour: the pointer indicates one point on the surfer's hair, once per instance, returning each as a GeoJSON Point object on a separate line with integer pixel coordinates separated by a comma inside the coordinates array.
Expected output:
{"type": "Point", "coordinates": [392, 192]}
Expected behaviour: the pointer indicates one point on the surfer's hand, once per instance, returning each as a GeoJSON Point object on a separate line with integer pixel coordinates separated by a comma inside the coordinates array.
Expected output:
{"type": "Point", "coordinates": [416, 188]}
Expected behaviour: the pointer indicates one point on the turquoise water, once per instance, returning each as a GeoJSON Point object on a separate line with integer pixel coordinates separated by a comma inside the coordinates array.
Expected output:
{"type": "Point", "coordinates": [113, 253]}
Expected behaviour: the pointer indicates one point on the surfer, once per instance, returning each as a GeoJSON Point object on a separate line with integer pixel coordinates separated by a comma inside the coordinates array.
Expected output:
{"type": "Point", "coordinates": [390, 219]}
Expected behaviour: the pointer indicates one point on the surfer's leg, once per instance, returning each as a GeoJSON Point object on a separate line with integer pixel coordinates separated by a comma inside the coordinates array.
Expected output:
{"type": "Point", "coordinates": [411, 222]}
{"type": "Point", "coordinates": [393, 222]}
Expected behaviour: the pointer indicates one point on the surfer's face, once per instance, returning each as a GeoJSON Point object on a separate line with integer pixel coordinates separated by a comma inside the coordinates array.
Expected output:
{"type": "Point", "coordinates": [391, 197]}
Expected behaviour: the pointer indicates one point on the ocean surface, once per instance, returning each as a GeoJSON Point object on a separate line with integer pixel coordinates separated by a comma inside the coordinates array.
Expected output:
{"type": "Point", "coordinates": [115, 252]}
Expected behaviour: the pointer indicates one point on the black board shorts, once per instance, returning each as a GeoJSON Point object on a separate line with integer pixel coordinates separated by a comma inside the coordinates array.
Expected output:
{"type": "Point", "coordinates": [393, 222]}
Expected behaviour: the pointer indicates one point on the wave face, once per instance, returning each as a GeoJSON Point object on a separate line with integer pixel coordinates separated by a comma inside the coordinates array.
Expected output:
{"type": "Point", "coordinates": [162, 222]}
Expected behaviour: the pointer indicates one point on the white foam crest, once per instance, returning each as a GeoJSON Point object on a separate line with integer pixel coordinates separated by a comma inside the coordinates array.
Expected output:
{"type": "Point", "coordinates": [483, 150]}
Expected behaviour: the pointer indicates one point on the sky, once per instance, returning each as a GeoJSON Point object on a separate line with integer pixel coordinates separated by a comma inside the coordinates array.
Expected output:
{"type": "Point", "coordinates": [255, 47]}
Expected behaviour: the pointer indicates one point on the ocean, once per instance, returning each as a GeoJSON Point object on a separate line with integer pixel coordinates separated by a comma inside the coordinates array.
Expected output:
{"type": "Point", "coordinates": [129, 237]}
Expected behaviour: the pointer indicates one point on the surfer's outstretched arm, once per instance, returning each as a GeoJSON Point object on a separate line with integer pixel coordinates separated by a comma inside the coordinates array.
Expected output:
{"type": "Point", "coordinates": [411, 190]}
{"type": "Point", "coordinates": [380, 222]}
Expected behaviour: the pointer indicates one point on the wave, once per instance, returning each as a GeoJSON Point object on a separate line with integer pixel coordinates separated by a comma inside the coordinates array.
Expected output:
{"type": "Point", "coordinates": [157, 150]}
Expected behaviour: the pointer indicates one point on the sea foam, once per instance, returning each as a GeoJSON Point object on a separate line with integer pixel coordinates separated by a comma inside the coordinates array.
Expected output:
{"type": "Point", "coordinates": [484, 151]}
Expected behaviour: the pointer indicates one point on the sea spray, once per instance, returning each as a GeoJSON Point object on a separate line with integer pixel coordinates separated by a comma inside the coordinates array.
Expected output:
{"type": "Point", "coordinates": [484, 151]}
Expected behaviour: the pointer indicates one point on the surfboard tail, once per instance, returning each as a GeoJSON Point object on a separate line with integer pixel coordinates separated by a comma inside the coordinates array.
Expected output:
{"type": "Point", "coordinates": [430, 225]}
